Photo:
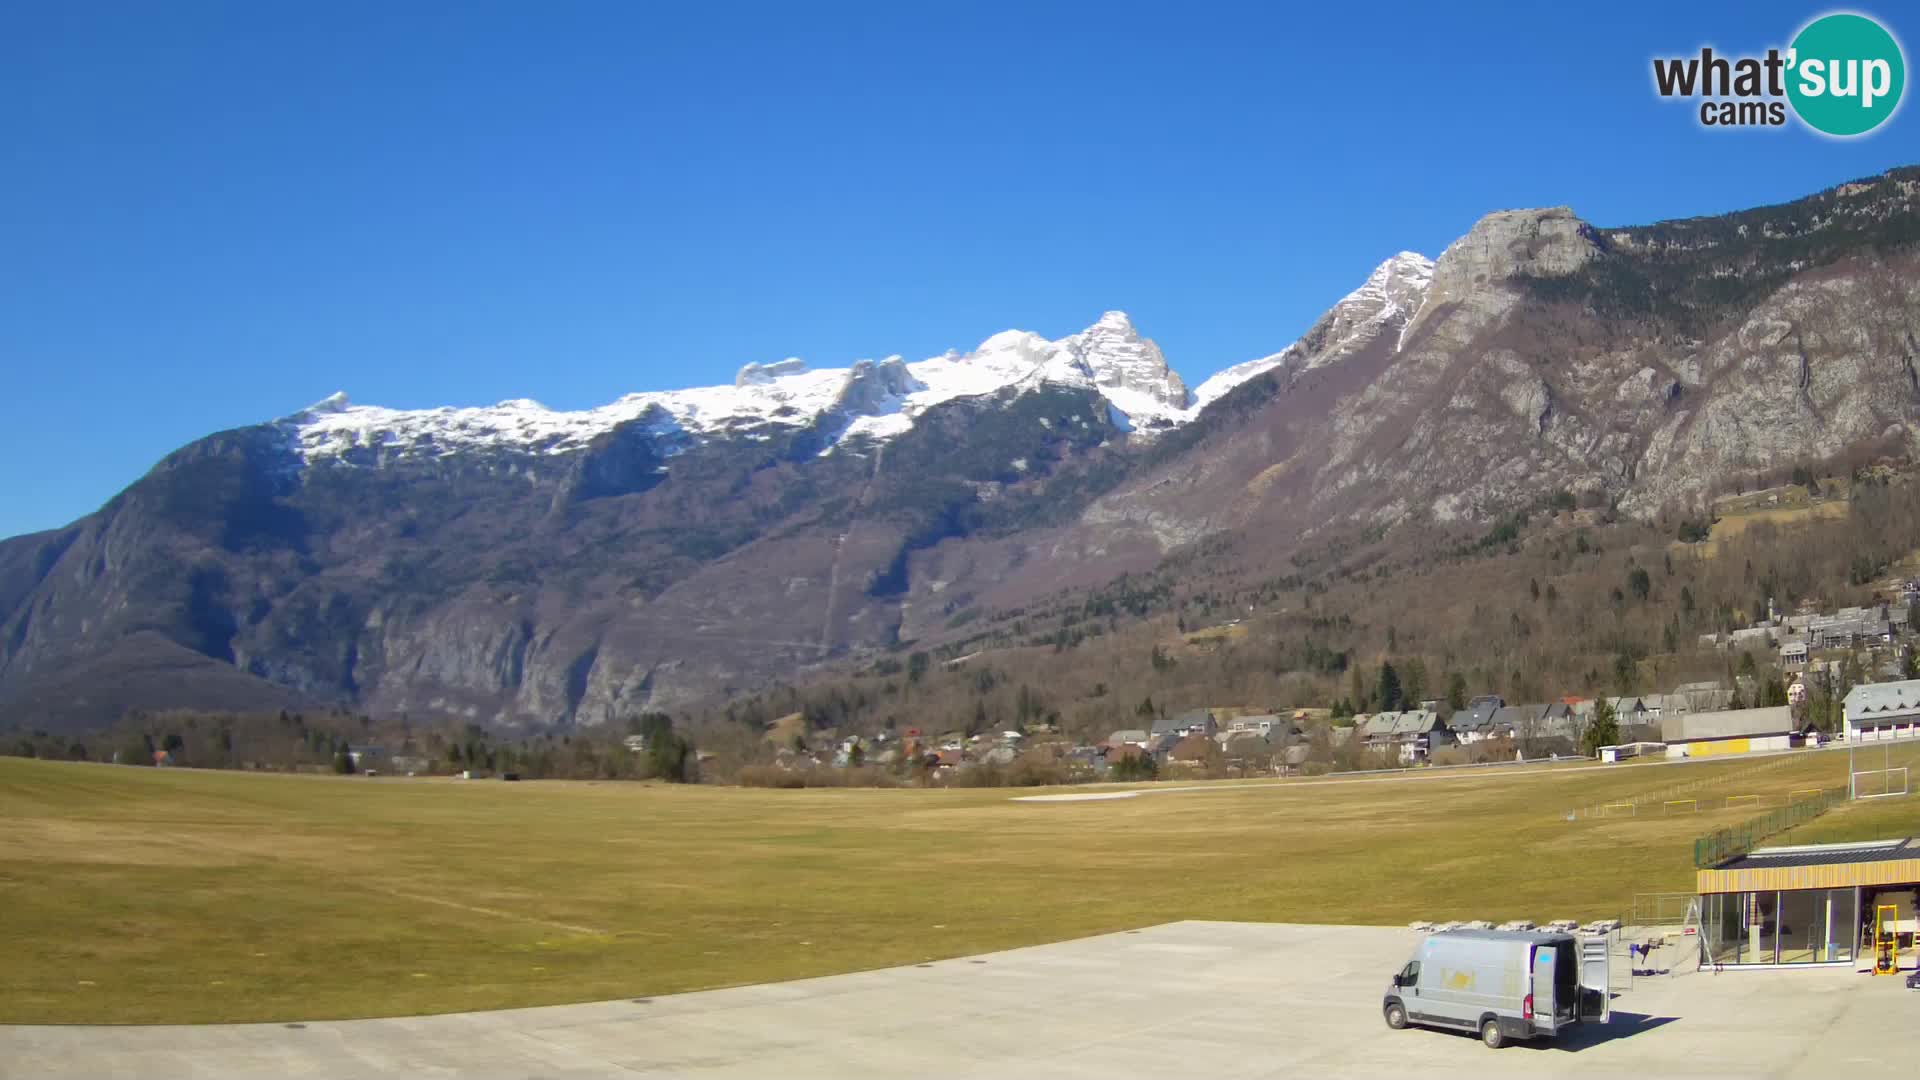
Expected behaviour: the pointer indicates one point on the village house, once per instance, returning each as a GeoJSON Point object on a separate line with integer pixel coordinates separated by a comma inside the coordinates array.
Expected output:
{"type": "Point", "coordinates": [1475, 723]}
{"type": "Point", "coordinates": [1698, 697]}
{"type": "Point", "coordinates": [1190, 722]}
{"type": "Point", "coordinates": [1628, 711]}
{"type": "Point", "coordinates": [1264, 724]}
{"type": "Point", "coordinates": [1192, 750]}
{"type": "Point", "coordinates": [1413, 735]}
{"type": "Point", "coordinates": [1875, 711]}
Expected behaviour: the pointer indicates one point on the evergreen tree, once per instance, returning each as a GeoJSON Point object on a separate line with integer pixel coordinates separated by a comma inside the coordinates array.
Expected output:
{"type": "Point", "coordinates": [1602, 730]}
{"type": "Point", "coordinates": [137, 750]}
{"type": "Point", "coordinates": [671, 757]}
{"type": "Point", "coordinates": [1389, 691]}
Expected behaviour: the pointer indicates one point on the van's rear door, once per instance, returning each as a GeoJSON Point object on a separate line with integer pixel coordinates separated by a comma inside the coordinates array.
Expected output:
{"type": "Point", "coordinates": [1596, 980]}
{"type": "Point", "coordinates": [1546, 1017]}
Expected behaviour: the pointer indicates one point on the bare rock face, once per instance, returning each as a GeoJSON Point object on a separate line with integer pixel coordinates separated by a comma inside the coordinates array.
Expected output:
{"type": "Point", "coordinates": [1652, 366]}
{"type": "Point", "coordinates": [1113, 355]}
{"type": "Point", "coordinates": [763, 374]}
{"type": "Point", "coordinates": [873, 388]}
{"type": "Point", "coordinates": [1546, 243]}
{"type": "Point", "coordinates": [518, 565]}
{"type": "Point", "coordinates": [1821, 365]}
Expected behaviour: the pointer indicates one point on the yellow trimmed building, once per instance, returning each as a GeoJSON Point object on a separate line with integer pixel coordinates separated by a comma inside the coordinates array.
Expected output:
{"type": "Point", "coordinates": [1727, 731]}
{"type": "Point", "coordinates": [1829, 904]}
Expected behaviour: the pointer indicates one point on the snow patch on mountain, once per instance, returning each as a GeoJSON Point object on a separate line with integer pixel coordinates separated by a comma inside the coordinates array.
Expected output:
{"type": "Point", "coordinates": [873, 400]}
{"type": "Point", "coordinates": [879, 400]}
{"type": "Point", "coordinates": [1394, 291]}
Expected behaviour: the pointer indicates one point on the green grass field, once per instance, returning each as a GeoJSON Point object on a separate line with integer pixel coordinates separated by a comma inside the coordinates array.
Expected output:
{"type": "Point", "coordinates": [141, 895]}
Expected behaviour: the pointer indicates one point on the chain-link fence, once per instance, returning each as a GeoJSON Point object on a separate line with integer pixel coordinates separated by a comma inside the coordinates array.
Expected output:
{"type": "Point", "coordinates": [1735, 840]}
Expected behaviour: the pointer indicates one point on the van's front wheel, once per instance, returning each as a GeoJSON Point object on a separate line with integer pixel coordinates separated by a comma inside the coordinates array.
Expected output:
{"type": "Point", "coordinates": [1396, 1016]}
{"type": "Point", "coordinates": [1491, 1034]}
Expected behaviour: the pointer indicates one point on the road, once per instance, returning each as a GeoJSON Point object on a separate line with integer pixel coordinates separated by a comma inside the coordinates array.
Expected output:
{"type": "Point", "coordinates": [1182, 999]}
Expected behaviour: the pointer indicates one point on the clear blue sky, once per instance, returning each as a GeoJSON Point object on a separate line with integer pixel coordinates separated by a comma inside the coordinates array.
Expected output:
{"type": "Point", "coordinates": [214, 214]}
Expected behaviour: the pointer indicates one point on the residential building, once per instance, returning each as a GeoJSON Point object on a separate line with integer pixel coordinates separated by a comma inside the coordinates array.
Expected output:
{"type": "Point", "coordinates": [1888, 710]}
{"type": "Point", "coordinates": [1191, 722]}
{"type": "Point", "coordinates": [1293, 758]}
{"type": "Point", "coordinates": [1793, 653]}
{"type": "Point", "coordinates": [1475, 723]}
{"type": "Point", "coordinates": [1848, 627]}
{"type": "Point", "coordinates": [1538, 727]}
{"type": "Point", "coordinates": [1628, 711]}
{"type": "Point", "coordinates": [1191, 749]}
{"type": "Point", "coordinates": [1129, 737]}
{"type": "Point", "coordinates": [1413, 734]}
{"type": "Point", "coordinates": [1264, 724]}
{"type": "Point", "coordinates": [1244, 745]}
{"type": "Point", "coordinates": [1698, 697]}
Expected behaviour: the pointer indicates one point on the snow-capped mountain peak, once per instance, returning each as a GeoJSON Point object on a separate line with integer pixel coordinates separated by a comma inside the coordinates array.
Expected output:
{"type": "Point", "coordinates": [877, 399]}
{"type": "Point", "coordinates": [1391, 295]}
{"type": "Point", "coordinates": [870, 399]}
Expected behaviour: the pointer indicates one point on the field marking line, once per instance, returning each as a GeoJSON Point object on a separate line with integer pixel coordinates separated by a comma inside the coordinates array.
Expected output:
{"type": "Point", "coordinates": [493, 912]}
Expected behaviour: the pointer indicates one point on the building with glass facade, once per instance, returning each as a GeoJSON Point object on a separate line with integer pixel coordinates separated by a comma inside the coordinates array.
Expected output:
{"type": "Point", "coordinates": [1835, 904]}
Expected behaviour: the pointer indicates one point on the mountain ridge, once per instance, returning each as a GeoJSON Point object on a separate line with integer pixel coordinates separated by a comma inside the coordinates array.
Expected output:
{"type": "Point", "coordinates": [877, 398]}
{"type": "Point", "coordinates": [523, 566]}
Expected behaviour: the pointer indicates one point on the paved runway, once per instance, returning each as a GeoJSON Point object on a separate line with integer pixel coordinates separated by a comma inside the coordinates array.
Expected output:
{"type": "Point", "coordinates": [1184, 999]}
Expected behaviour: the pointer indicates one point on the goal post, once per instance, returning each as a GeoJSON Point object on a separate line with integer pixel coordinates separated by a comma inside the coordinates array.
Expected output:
{"type": "Point", "coordinates": [1682, 806]}
{"type": "Point", "coordinates": [1617, 809]}
{"type": "Point", "coordinates": [1742, 800]}
{"type": "Point", "coordinates": [1799, 793]}
{"type": "Point", "coordinates": [1878, 783]}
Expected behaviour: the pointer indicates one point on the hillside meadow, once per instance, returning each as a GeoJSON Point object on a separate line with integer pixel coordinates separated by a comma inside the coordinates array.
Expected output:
{"type": "Point", "coordinates": [152, 895]}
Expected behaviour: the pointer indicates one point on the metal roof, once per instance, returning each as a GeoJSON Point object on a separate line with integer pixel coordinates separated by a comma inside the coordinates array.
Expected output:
{"type": "Point", "coordinates": [1824, 855]}
{"type": "Point", "coordinates": [1875, 699]}
{"type": "Point", "coordinates": [1727, 724]}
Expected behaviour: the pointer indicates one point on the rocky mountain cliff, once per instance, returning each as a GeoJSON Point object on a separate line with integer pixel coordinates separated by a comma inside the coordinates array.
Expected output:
{"type": "Point", "coordinates": [519, 565]}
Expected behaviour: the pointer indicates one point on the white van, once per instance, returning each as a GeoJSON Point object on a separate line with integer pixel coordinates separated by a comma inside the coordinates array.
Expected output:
{"type": "Point", "coordinates": [1502, 984]}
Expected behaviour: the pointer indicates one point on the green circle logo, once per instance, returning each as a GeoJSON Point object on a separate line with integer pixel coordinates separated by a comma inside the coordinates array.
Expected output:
{"type": "Point", "coordinates": [1846, 74]}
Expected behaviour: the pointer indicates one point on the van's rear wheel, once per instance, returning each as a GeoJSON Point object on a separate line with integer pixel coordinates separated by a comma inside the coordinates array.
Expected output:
{"type": "Point", "coordinates": [1396, 1016]}
{"type": "Point", "coordinates": [1491, 1034]}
